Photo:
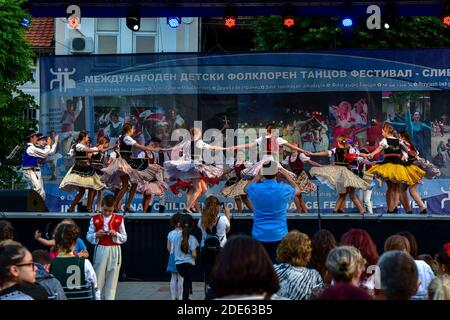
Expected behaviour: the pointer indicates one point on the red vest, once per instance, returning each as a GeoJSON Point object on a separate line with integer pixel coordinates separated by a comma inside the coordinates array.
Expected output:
{"type": "Point", "coordinates": [114, 224]}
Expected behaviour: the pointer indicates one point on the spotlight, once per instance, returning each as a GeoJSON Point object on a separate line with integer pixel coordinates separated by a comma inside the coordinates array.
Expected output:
{"type": "Point", "coordinates": [288, 20]}
{"type": "Point", "coordinates": [346, 18]}
{"type": "Point", "coordinates": [390, 16]}
{"type": "Point", "coordinates": [230, 17]}
{"type": "Point", "coordinates": [347, 22]}
{"type": "Point", "coordinates": [173, 22]}
{"type": "Point", "coordinates": [25, 22]}
{"type": "Point", "coordinates": [133, 19]}
{"type": "Point", "coordinates": [446, 14]}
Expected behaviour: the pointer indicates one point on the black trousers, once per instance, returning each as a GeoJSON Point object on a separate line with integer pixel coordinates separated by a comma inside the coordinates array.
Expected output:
{"type": "Point", "coordinates": [271, 248]}
{"type": "Point", "coordinates": [186, 270]}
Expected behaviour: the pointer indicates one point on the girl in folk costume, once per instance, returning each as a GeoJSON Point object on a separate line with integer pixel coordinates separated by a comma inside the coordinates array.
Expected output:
{"type": "Point", "coordinates": [235, 186]}
{"type": "Point", "coordinates": [270, 145]}
{"type": "Point", "coordinates": [153, 184]}
{"type": "Point", "coordinates": [126, 167]}
{"type": "Point", "coordinates": [82, 175]}
{"type": "Point", "coordinates": [338, 176]}
{"type": "Point", "coordinates": [392, 168]}
{"type": "Point", "coordinates": [191, 167]}
{"type": "Point", "coordinates": [296, 162]}
{"type": "Point", "coordinates": [430, 170]}
{"type": "Point", "coordinates": [98, 163]}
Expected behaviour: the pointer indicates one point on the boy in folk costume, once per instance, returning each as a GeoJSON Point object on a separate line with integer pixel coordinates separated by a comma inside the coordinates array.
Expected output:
{"type": "Point", "coordinates": [107, 232]}
{"type": "Point", "coordinates": [30, 161]}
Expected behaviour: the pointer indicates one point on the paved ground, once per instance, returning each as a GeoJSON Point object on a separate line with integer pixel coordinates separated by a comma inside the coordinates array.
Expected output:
{"type": "Point", "coordinates": [153, 291]}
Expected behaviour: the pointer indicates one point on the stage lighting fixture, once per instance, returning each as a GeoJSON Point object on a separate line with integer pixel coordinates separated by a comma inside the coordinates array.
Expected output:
{"type": "Point", "coordinates": [174, 22]}
{"type": "Point", "coordinates": [288, 20]}
{"type": "Point", "coordinates": [133, 19]}
{"type": "Point", "coordinates": [390, 16]}
{"type": "Point", "coordinates": [347, 22]}
{"type": "Point", "coordinates": [446, 14]}
{"type": "Point", "coordinates": [230, 17]}
{"type": "Point", "coordinates": [25, 22]}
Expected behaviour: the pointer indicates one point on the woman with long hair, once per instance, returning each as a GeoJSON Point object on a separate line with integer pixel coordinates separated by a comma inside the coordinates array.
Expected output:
{"type": "Point", "coordinates": [125, 167]}
{"type": "Point", "coordinates": [185, 252]}
{"type": "Point", "coordinates": [235, 186]}
{"type": "Point", "coordinates": [82, 175]}
{"type": "Point", "coordinates": [212, 224]}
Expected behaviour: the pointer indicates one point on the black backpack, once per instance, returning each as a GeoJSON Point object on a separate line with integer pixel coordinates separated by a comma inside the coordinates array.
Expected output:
{"type": "Point", "coordinates": [212, 241]}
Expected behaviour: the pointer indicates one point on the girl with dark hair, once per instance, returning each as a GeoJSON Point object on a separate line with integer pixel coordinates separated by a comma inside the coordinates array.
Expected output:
{"type": "Point", "coordinates": [235, 186]}
{"type": "Point", "coordinates": [125, 168]}
{"type": "Point", "coordinates": [392, 168]}
{"type": "Point", "coordinates": [176, 280]}
{"type": "Point", "coordinates": [82, 175]}
{"type": "Point", "coordinates": [296, 162]}
{"type": "Point", "coordinates": [66, 262]}
{"type": "Point", "coordinates": [153, 184]}
{"type": "Point", "coordinates": [191, 167]}
{"type": "Point", "coordinates": [18, 273]}
{"type": "Point", "coordinates": [430, 170]}
{"type": "Point", "coordinates": [98, 163]}
{"type": "Point", "coordinates": [212, 225]}
{"type": "Point", "coordinates": [338, 176]}
{"type": "Point", "coordinates": [185, 251]}
{"type": "Point", "coordinates": [244, 271]}
{"type": "Point", "coordinates": [321, 244]}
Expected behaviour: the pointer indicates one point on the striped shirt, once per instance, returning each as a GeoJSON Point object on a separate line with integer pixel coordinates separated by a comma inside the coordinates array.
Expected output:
{"type": "Point", "coordinates": [297, 283]}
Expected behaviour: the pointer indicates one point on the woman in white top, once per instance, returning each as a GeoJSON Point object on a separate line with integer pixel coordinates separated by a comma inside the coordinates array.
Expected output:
{"type": "Point", "coordinates": [82, 175]}
{"type": "Point", "coordinates": [125, 167]}
{"type": "Point", "coordinates": [191, 167]}
{"type": "Point", "coordinates": [212, 225]}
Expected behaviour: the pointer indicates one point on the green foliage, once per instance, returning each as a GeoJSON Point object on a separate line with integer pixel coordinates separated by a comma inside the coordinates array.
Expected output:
{"type": "Point", "coordinates": [325, 33]}
{"type": "Point", "coordinates": [15, 59]}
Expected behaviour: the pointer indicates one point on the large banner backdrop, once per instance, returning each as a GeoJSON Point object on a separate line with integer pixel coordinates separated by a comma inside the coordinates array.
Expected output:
{"type": "Point", "coordinates": [312, 96]}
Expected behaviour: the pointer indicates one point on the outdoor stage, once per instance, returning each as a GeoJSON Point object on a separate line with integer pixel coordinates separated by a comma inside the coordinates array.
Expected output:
{"type": "Point", "coordinates": [144, 256]}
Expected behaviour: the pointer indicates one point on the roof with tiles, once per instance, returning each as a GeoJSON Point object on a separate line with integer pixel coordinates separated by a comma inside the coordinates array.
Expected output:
{"type": "Point", "coordinates": [41, 32]}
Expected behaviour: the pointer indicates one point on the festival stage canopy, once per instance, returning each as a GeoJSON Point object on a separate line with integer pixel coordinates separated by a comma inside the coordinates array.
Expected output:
{"type": "Point", "coordinates": [212, 8]}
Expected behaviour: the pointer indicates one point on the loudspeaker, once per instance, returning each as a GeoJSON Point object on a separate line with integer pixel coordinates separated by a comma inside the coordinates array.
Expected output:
{"type": "Point", "coordinates": [21, 201]}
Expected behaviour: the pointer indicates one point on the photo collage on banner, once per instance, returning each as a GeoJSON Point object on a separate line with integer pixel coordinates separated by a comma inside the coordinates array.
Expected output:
{"type": "Point", "coordinates": [161, 93]}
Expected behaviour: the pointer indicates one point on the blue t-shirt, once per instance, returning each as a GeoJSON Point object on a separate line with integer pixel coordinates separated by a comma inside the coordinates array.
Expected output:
{"type": "Point", "coordinates": [270, 199]}
{"type": "Point", "coordinates": [79, 246]}
{"type": "Point", "coordinates": [180, 256]}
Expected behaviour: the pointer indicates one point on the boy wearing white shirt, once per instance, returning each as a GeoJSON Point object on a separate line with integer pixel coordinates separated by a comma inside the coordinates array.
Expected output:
{"type": "Point", "coordinates": [107, 232]}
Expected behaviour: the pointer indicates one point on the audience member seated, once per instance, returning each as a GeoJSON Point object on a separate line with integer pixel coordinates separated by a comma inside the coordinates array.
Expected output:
{"type": "Point", "coordinates": [443, 259]}
{"type": "Point", "coordinates": [18, 274]}
{"type": "Point", "coordinates": [345, 265]}
{"type": "Point", "coordinates": [43, 276]}
{"type": "Point", "coordinates": [6, 230]}
{"type": "Point", "coordinates": [293, 254]}
{"type": "Point", "coordinates": [322, 243]}
{"type": "Point", "coordinates": [431, 262]}
{"type": "Point", "coordinates": [361, 240]}
{"type": "Point", "coordinates": [398, 275]}
{"type": "Point", "coordinates": [66, 264]}
{"type": "Point", "coordinates": [439, 288]}
{"type": "Point", "coordinates": [243, 271]}
{"type": "Point", "coordinates": [345, 291]}
{"type": "Point", "coordinates": [426, 275]}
